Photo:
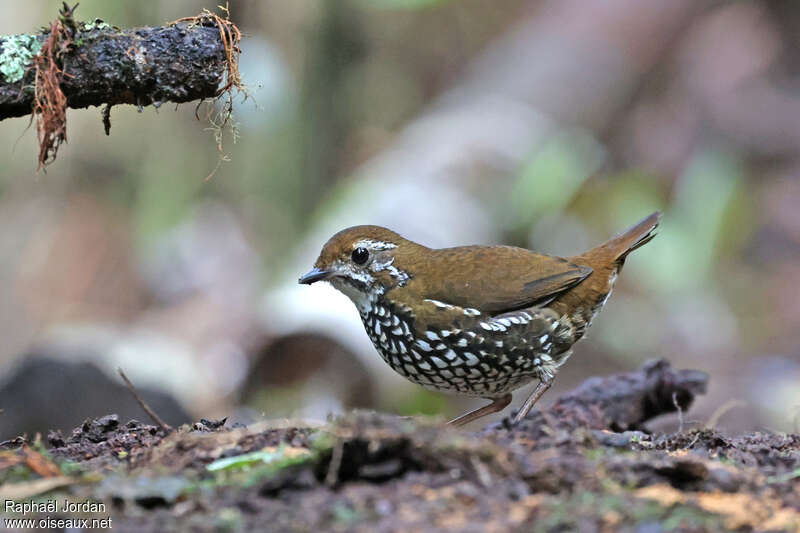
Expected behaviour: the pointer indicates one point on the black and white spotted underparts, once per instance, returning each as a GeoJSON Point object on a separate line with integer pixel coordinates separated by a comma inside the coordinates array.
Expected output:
{"type": "Point", "coordinates": [484, 356]}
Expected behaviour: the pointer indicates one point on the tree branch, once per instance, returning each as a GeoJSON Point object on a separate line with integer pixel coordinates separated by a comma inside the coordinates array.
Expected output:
{"type": "Point", "coordinates": [178, 63]}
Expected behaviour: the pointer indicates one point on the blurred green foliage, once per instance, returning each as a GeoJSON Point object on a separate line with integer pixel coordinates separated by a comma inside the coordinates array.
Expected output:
{"type": "Point", "coordinates": [553, 175]}
{"type": "Point", "coordinates": [421, 402]}
{"type": "Point", "coordinates": [402, 4]}
{"type": "Point", "coordinates": [685, 256]}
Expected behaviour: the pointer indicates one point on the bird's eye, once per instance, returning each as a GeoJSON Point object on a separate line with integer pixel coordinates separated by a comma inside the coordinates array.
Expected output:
{"type": "Point", "coordinates": [360, 255]}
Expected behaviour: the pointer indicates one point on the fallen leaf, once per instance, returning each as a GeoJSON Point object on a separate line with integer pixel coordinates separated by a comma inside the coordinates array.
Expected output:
{"type": "Point", "coordinates": [40, 463]}
{"type": "Point", "coordinates": [661, 493]}
{"type": "Point", "coordinates": [28, 489]}
{"type": "Point", "coordinates": [739, 509]}
{"type": "Point", "coordinates": [743, 510]}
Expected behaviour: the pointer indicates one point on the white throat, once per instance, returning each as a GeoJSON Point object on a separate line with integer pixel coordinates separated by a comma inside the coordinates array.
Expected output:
{"type": "Point", "coordinates": [363, 301]}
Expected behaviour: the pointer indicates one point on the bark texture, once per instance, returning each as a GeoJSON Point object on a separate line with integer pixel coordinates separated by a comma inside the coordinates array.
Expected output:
{"type": "Point", "coordinates": [152, 65]}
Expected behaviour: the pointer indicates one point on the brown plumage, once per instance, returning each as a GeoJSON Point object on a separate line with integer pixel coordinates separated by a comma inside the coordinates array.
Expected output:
{"type": "Point", "coordinates": [477, 320]}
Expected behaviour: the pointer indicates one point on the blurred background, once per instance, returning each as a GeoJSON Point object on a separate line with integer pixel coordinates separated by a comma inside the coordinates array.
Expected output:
{"type": "Point", "coordinates": [550, 124]}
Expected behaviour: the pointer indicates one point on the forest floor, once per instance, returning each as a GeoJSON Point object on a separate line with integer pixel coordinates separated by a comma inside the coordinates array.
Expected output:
{"type": "Point", "coordinates": [586, 464]}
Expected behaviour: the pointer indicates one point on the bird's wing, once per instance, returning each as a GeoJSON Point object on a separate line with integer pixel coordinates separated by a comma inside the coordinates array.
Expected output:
{"type": "Point", "coordinates": [498, 279]}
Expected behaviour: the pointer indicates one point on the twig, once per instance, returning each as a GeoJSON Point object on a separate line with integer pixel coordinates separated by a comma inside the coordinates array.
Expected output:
{"type": "Point", "coordinates": [106, 114]}
{"type": "Point", "coordinates": [152, 414]}
{"type": "Point", "coordinates": [722, 410]}
{"type": "Point", "coordinates": [336, 462]}
{"type": "Point", "coordinates": [481, 471]}
{"type": "Point", "coordinates": [694, 440]}
{"type": "Point", "coordinates": [680, 411]}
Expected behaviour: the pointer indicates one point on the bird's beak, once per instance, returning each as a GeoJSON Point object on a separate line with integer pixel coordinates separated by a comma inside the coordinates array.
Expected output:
{"type": "Point", "coordinates": [315, 274]}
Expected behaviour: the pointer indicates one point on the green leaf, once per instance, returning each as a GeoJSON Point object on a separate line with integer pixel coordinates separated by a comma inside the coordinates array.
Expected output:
{"type": "Point", "coordinates": [278, 458]}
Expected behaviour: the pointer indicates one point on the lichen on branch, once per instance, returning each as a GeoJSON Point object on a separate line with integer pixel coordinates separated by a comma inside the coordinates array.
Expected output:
{"type": "Point", "coordinates": [17, 56]}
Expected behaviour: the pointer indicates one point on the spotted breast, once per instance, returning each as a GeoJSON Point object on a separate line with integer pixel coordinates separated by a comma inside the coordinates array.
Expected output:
{"type": "Point", "coordinates": [457, 349]}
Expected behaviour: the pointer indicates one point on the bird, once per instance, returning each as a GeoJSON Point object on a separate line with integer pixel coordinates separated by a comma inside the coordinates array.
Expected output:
{"type": "Point", "coordinates": [474, 320]}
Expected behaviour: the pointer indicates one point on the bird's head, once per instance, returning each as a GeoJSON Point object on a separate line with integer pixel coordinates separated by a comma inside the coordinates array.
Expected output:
{"type": "Point", "coordinates": [363, 262]}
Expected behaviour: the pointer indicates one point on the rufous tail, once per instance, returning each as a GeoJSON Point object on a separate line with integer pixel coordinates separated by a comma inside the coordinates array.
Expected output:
{"type": "Point", "coordinates": [618, 248]}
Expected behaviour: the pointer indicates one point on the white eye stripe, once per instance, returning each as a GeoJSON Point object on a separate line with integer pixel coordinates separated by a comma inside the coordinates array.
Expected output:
{"type": "Point", "coordinates": [376, 246]}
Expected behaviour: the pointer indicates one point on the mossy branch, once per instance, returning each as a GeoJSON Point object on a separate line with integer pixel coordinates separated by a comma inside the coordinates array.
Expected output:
{"type": "Point", "coordinates": [96, 64]}
{"type": "Point", "coordinates": [140, 66]}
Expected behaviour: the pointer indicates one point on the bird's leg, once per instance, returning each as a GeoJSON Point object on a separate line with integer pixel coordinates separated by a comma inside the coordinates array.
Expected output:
{"type": "Point", "coordinates": [540, 389]}
{"type": "Point", "coordinates": [498, 404]}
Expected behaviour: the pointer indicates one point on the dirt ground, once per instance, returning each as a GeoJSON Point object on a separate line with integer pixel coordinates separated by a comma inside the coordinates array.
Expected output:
{"type": "Point", "coordinates": [586, 464]}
